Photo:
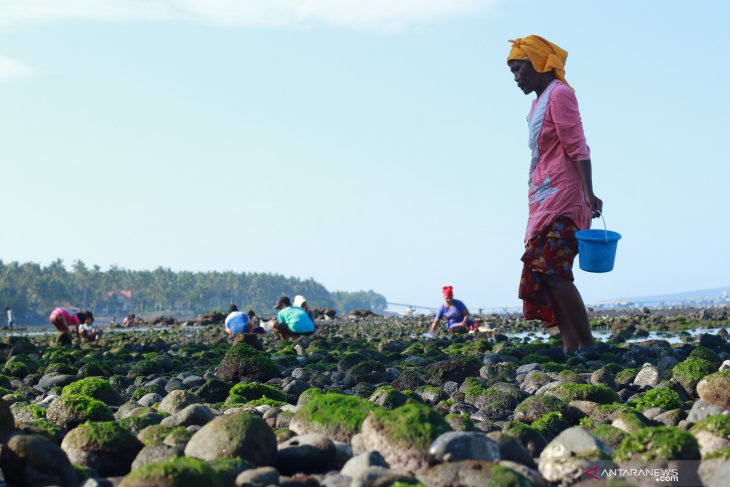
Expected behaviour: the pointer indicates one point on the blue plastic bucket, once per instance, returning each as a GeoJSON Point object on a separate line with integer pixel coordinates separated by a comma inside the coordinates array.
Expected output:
{"type": "Point", "coordinates": [597, 249]}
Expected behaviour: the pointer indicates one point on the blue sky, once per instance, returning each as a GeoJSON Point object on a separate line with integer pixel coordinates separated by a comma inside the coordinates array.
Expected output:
{"type": "Point", "coordinates": [366, 144]}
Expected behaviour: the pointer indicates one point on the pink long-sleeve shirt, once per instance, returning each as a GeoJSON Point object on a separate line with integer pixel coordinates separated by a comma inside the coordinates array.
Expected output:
{"type": "Point", "coordinates": [556, 188]}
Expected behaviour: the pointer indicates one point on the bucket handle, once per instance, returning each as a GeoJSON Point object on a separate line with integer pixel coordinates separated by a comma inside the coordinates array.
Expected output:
{"type": "Point", "coordinates": [604, 226]}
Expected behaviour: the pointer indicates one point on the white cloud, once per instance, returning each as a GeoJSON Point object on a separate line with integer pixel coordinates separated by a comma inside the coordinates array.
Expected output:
{"type": "Point", "coordinates": [372, 14]}
{"type": "Point", "coordinates": [12, 68]}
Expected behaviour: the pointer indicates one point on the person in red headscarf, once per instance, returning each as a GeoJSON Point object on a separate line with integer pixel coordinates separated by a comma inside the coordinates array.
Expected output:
{"type": "Point", "coordinates": [455, 312]}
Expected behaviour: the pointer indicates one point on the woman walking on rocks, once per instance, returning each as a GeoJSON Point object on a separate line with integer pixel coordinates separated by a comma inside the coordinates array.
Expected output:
{"type": "Point", "coordinates": [561, 198]}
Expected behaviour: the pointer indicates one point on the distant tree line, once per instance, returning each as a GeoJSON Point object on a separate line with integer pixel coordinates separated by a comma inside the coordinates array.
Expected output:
{"type": "Point", "coordinates": [34, 290]}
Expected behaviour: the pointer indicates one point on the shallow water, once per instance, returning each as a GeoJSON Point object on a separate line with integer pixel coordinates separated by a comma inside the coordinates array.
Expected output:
{"type": "Point", "coordinates": [669, 336]}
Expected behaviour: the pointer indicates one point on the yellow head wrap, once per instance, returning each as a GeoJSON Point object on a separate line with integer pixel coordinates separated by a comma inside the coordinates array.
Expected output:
{"type": "Point", "coordinates": [542, 54]}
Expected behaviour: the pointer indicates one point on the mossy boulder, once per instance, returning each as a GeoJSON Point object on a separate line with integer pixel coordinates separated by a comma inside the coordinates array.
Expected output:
{"type": "Point", "coordinates": [388, 397]}
{"type": "Point", "coordinates": [175, 472]}
{"type": "Point", "coordinates": [712, 433]}
{"type": "Point", "coordinates": [585, 392]}
{"type": "Point", "coordinates": [535, 407]}
{"type": "Point", "coordinates": [107, 447]}
{"type": "Point", "coordinates": [497, 401]}
{"type": "Point", "coordinates": [336, 416]}
{"type": "Point", "coordinates": [630, 421]}
{"type": "Point", "coordinates": [661, 397]}
{"type": "Point", "coordinates": [60, 368]}
{"type": "Point", "coordinates": [456, 369]}
{"type": "Point", "coordinates": [626, 376]}
{"type": "Point", "coordinates": [94, 387]}
{"type": "Point", "coordinates": [370, 371]}
{"type": "Point", "coordinates": [243, 393]}
{"type": "Point", "coordinates": [551, 424]}
{"type": "Point", "coordinates": [26, 413]}
{"type": "Point", "coordinates": [690, 372]}
{"type": "Point", "coordinates": [235, 435]}
{"type": "Point", "coordinates": [715, 389]}
{"type": "Point", "coordinates": [144, 368]}
{"type": "Point", "coordinates": [472, 472]}
{"type": "Point", "coordinates": [93, 370]}
{"type": "Point", "coordinates": [154, 434]}
{"type": "Point", "coordinates": [705, 353]}
{"type": "Point", "coordinates": [213, 391]}
{"type": "Point", "coordinates": [610, 435]}
{"type": "Point", "coordinates": [137, 422]}
{"type": "Point", "coordinates": [403, 435]}
{"type": "Point", "coordinates": [531, 438]}
{"type": "Point", "coordinates": [656, 444]}
{"type": "Point", "coordinates": [177, 401]}
{"type": "Point", "coordinates": [243, 363]}
{"type": "Point", "coordinates": [16, 369]}
{"type": "Point", "coordinates": [72, 410]}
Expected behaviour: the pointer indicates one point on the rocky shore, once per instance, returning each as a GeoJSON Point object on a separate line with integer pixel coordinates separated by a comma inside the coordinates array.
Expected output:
{"type": "Point", "coordinates": [371, 402]}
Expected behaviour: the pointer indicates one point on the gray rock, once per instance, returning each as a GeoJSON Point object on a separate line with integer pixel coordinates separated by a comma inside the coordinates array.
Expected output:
{"type": "Point", "coordinates": [648, 376]}
{"type": "Point", "coordinates": [156, 453]}
{"type": "Point", "coordinates": [234, 435]}
{"type": "Point", "coordinates": [470, 473]}
{"type": "Point", "coordinates": [258, 477]}
{"type": "Point", "coordinates": [296, 387]}
{"type": "Point", "coordinates": [193, 381]}
{"type": "Point", "coordinates": [359, 463]}
{"type": "Point", "coordinates": [177, 401]}
{"type": "Point", "coordinates": [671, 418]}
{"type": "Point", "coordinates": [714, 472]}
{"type": "Point", "coordinates": [336, 480]}
{"type": "Point", "coordinates": [54, 379]}
{"type": "Point", "coordinates": [570, 454]}
{"type": "Point", "coordinates": [310, 453]}
{"type": "Point", "coordinates": [524, 369]}
{"type": "Point", "coordinates": [511, 449]}
{"type": "Point", "coordinates": [450, 387]}
{"type": "Point", "coordinates": [603, 377]}
{"type": "Point", "coordinates": [701, 409]}
{"type": "Point", "coordinates": [375, 475]}
{"type": "Point", "coordinates": [174, 384]}
{"type": "Point", "coordinates": [343, 453]}
{"type": "Point", "coordinates": [194, 414]}
{"type": "Point", "coordinates": [667, 363]}
{"type": "Point", "coordinates": [301, 374]}
{"type": "Point", "coordinates": [149, 399]}
{"type": "Point", "coordinates": [107, 452]}
{"type": "Point", "coordinates": [455, 446]}
{"type": "Point", "coordinates": [33, 460]}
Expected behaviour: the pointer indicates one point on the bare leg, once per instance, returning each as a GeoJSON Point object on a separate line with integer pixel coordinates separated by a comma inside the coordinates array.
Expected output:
{"type": "Point", "coordinates": [571, 314]}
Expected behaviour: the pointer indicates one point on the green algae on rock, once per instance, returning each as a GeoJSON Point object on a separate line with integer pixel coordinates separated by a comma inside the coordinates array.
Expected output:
{"type": "Point", "coordinates": [690, 372]}
{"type": "Point", "coordinates": [176, 472]}
{"type": "Point", "coordinates": [234, 435]}
{"type": "Point", "coordinates": [535, 407]}
{"type": "Point", "coordinates": [96, 388]}
{"type": "Point", "coordinates": [243, 393]}
{"type": "Point", "coordinates": [105, 446]}
{"type": "Point", "coordinates": [72, 410]}
{"type": "Point", "coordinates": [585, 392]}
{"type": "Point", "coordinates": [661, 397]}
{"type": "Point", "coordinates": [336, 416]}
{"type": "Point", "coordinates": [658, 443]}
{"type": "Point", "coordinates": [243, 363]}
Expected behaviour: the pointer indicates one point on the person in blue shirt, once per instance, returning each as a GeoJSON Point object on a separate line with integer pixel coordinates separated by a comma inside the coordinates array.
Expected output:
{"type": "Point", "coordinates": [455, 312]}
{"type": "Point", "coordinates": [237, 322]}
{"type": "Point", "coordinates": [291, 321]}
